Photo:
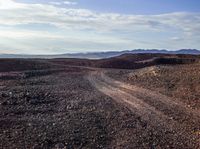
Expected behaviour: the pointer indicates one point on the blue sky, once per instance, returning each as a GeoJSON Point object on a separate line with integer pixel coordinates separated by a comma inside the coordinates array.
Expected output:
{"type": "Point", "coordinates": [133, 6]}
{"type": "Point", "coordinates": [70, 26]}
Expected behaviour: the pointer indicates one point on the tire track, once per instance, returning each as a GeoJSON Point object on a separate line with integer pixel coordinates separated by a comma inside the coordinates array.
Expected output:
{"type": "Point", "coordinates": [172, 108]}
{"type": "Point", "coordinates": [158, 110]}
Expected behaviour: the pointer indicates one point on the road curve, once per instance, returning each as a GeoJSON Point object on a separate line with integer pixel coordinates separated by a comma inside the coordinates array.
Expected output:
{"type": "Point", "coordinates": [157, 109]}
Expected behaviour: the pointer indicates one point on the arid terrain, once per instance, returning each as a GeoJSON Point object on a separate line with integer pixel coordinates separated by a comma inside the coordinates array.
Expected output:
{"type": "Point", "coordinates": [133, 101]}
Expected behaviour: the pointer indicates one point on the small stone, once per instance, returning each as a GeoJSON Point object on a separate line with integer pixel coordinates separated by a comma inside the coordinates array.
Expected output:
{"type": "Point", "coordinates": [60, 146]}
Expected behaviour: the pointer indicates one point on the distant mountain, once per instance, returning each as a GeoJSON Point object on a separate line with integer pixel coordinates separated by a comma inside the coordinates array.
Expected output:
{"type": "Point", "coordinates": [100, 55]}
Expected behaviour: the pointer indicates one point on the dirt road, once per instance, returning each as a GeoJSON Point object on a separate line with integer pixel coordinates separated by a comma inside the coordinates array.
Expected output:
{"type": "Point", "coordinates": [159, 111]}
{"type": "Point", "coordinates": [81, 107]}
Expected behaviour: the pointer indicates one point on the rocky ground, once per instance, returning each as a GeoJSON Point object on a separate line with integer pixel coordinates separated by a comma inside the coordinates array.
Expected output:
{"type": "Point", "coordinates": [177, 81]}
{"type": "Point", "coordinates": [59, 107]}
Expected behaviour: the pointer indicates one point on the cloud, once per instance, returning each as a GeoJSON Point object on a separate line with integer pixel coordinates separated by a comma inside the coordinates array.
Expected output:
{"type": "Point", "coordinates": [70, 3]}
{"type": "Point", "coordinates": [86, 19]}
{"type": "Point", "coordinates": [108, 30]}
{"type": "Point", "coordinates": [177, 38]}
{"type": "Point", "coordinates": [60, 3]}
{"type": "Point", "coordinates": [9, 4]}
{"type": "Point", "coordinates": [45, 42]}
{"type": "Point", "coordinates": [55, 3]}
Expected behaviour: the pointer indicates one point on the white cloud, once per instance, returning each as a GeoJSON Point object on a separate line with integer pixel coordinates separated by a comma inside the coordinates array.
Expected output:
{"type": "Point", "coordinates": [70, 3]}
{"type": "Point", "coordinates": [110, 29]}
{"type": "Point", "coordinates": [86, 19]}
{"type": "Point", "coordinates": [9, 4]}
{"type": "Point", "coordinates": [66, 2]}
{"type": "Point", "coordinates": [55, 3]}
{"type": "Point", "coordinates": [177, 38]}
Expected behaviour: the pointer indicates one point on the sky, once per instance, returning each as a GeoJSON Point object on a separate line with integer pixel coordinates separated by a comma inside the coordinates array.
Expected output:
{"type": "Point", "coordinates": [71, 26]}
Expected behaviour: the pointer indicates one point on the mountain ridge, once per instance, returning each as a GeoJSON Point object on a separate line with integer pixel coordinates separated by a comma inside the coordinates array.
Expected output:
{"type": "Point", "coordinates": [101, 55]}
